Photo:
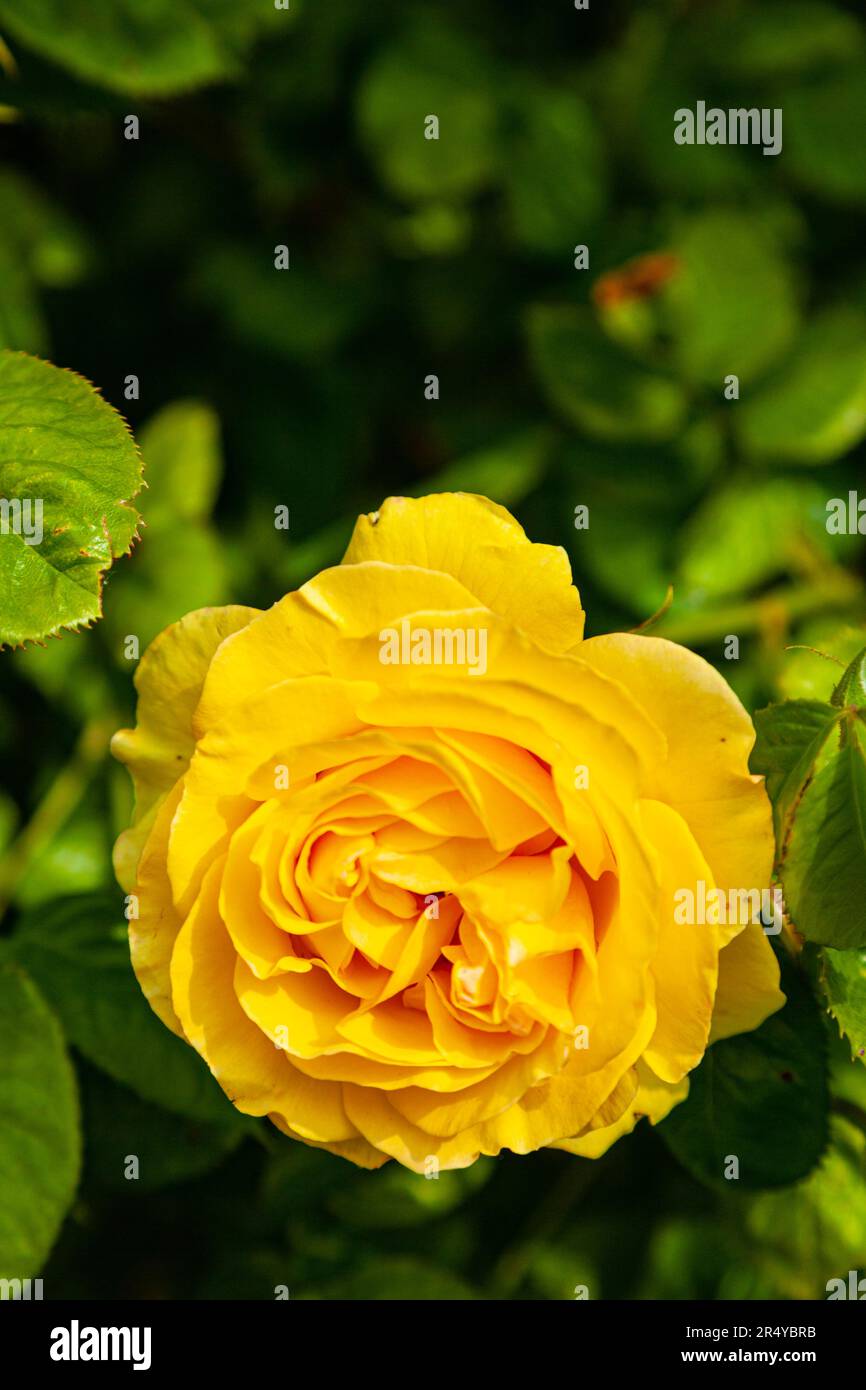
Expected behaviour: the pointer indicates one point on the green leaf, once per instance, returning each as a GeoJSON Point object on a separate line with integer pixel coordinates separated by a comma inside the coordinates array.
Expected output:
{"type": "Point", "coordinates": [76, 950]}
{"type": "Point", "coordinates": [151, 47]}
{"type": "Point", "coordinates": [181, 451]}
{"type": "Point", "coordinates": [50, 244]}
{"type": "Point", "coordinates": [761, 1097]}
{"type": "Point", "coordinates": [732, 307]}
{"type": "Point", "coordinates": [824, 121]}
{"type": "Point", "coordinates": [40, 1143]}
{"type": "Point", "coordinates": [782, 37]}
{"type": "Point", "coordinates": [790, 740]}
{"type": "Point", "coordinates": [851, 688]}
{"type": "Point", "coordinates": [73, 860]}
{"type": "Point", "coordinates": [751, 531]}
{"type": "Point", "coordinates": [824, 864]}
{"type": "Point", "coordinates": [553, 131]}
{"type": "Point", "coordinates": [63, 447]}
{"type": "Point", "coordinates": [596, 385]}
{"type": "Point", "coordinates": [431, 71]}
{"type": "Point", "coordinates": [843, 979]}
{"type": "Point", "coordinates": [814, 408]}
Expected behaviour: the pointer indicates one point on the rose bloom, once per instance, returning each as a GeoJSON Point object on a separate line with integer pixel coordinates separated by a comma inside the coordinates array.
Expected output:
{"type": "Point", "coordinates": [411, 903]}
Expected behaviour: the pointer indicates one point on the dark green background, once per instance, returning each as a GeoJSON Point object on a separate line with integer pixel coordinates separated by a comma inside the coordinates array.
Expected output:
{"type": "Point", "coordinates": [408, 257]}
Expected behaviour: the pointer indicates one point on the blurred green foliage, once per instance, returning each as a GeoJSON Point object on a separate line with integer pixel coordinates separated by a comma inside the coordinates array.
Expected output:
{"type": "Point", "coordinates": [559, 388]}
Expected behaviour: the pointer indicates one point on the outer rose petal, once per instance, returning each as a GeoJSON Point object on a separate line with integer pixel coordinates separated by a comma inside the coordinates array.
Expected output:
{"type": "Point", "coordinates": [685, 967]}
{"type": "Point", "coordinates": [483, 546]}
{"type": "Point", "coordinates": [710, 736]}
{"type": "Point", "coordinates": [748, 989]}
{"type": "Point", "coordinates": [654, 1098]}
{"type": "Point", "coordinates": [169, 681]}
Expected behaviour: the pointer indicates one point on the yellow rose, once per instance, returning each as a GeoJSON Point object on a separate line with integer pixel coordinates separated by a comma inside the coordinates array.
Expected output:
{"type": "Point", "coordinates": [407, 851]}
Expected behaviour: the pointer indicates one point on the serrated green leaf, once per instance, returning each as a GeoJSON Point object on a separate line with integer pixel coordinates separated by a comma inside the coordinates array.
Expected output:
{"type": "Point", "coordinates": [761, 1097]}
{"type": "Point", "coordinates": [823, 867]}
{"type": "Point", "coordinates": [40, 1142]}
{"type": "Point", "coordinates": [790, 739]}
{"type": "Point", "coordinates": [814, 408]}
{"type": "Point", "coordinates": [843, 979]}
{"type": "Point", "coordinates": [76, 950]}
{"type": "Point", "coordinates": [65, 448]}
{"type": "Point", "coordinates": [851, 689]}
{"type": "Point", "coordinates": [596, 385]}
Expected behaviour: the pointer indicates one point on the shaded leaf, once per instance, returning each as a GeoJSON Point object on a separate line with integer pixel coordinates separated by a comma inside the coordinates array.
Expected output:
{"type": "Point", "coordinates": [40, 1142]}
{"type": "Point", "coordinates": [76, 949]}
{"type": "Point", "coordinates": [824, 120]}
{"type": "Point", "coordinates": [118, 1125]}
{"type": "Point", "coordinates": [431, 71]}
{"type": "Point", "coordinates": [761, 1097]}
{"type": "Point", "coordinates": [596, 385]}
{"type": "Point", "coordinates": [553, 131]}
{"type": "Point", "coordinates": [143, 46]}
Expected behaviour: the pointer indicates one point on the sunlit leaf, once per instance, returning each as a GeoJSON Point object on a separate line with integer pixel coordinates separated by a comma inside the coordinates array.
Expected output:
{"type": "Point", "coordinates": [69, 470]}
{"type": "Point", "coordinates": [814, 408]}
{"type": "Point", "coordinates": [732, 305]}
